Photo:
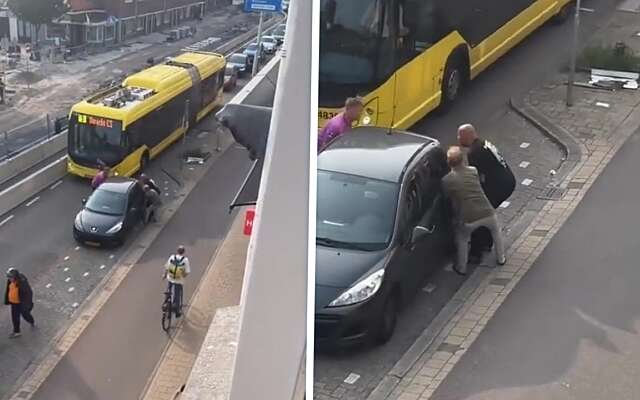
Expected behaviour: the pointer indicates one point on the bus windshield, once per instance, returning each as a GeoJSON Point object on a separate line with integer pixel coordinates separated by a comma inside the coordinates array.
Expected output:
{"type": "Point", "coordinates": [95, 140]}
{"type": "Point", "coordinates": [356, 47]}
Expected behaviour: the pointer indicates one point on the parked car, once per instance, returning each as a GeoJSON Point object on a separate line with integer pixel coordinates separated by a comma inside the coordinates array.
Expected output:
{"type": "Point", "coordinates": [251, 51]}
{"type": "Point", "coordinates": [270, 44]}
{"type": "Point", "coordinates": [241, 62]}
{"type": "Point", "coordinates": [230, 77]}
{"type": "Point", "coordinates": [173, 35]}
{"type": "Point", "coordinates": [278, 33]}
{"type": "Point", "coordinates": [109, 214]}
{"type": "Point", "coordinates": [382, 225]}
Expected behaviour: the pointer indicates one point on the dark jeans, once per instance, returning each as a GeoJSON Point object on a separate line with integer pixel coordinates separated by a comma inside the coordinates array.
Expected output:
{"type": "Point", "coordinates": [16, 311]}
{"type": "Point", "coordinates": [177, 297]}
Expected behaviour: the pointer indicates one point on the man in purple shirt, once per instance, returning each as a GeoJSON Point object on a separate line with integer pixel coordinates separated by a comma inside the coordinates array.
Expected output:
{"type": "Point", "coordinates": [341, 123]}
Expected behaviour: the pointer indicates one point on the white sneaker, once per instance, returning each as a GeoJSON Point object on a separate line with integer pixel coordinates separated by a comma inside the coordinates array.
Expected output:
{"type": "Point", "coordinates": [14, 335]}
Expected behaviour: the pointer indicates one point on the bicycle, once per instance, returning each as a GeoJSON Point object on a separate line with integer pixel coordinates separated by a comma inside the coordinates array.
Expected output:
{"type": "Point", "coordinates": [167, 309]}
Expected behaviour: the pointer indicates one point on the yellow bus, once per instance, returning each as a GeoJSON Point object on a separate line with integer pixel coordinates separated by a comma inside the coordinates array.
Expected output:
{"type": "Point", "coordinates": [407, 57]}
{"type": "Point", "coordinates": [126, 126]}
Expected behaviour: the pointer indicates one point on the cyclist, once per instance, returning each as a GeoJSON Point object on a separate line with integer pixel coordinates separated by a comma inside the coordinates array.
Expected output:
{"type": "Point", "coordinates": [176, 269]}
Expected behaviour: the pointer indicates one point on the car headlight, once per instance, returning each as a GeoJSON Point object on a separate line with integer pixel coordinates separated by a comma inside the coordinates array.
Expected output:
{"type": "Point", "coordinates": [360, 291]}
{"type": "Point", "coordinates": [78, 222]}
{"type": "Point", "coordinates": [115, 228]}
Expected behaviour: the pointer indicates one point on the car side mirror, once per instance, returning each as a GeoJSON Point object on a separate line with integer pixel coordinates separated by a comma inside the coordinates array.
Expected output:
{"type": "Point", "coordinates": [84, 201]}
{"type": "Point", "coordinates": [420, 232]}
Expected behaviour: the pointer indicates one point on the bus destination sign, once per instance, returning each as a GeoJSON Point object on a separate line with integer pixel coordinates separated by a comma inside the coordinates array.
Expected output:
{"type": "Point", "coordinates": [95, 121]}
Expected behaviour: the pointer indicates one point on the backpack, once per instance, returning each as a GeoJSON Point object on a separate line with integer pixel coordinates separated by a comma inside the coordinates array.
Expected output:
{"type": "Point", "coordinates": [177, 271]}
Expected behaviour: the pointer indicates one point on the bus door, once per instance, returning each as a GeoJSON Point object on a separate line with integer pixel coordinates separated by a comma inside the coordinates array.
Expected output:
{"type": "Point", "coordinates": [415, 28]}
{"type": "Point", "coordinates": [195, 95]}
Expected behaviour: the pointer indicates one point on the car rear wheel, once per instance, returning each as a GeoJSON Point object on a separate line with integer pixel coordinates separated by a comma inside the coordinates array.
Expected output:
{"type": "Point", "coordinates": [388, 320]}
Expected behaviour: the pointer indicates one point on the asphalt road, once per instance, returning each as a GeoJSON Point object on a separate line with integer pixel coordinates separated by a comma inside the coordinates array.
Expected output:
{"type": "Point", "coordinates": [485, 105]}
{"type": "Point", "coordinates": [116, 354]}
{"type": "Point", "coordinates": [569, 330]}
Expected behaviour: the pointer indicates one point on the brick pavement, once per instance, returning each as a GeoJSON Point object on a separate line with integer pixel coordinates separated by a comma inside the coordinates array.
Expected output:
{"type": "Point", "coordinates": [219, 288]}
{"type": "Point", "coordinates": [600, 122]}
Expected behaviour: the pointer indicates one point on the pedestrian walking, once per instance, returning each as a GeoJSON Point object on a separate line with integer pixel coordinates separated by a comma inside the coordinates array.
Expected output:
{"type": "Point", "coordinates": [19, 296]}
{"type": "Point", "coordinates": [152, 203]}
{"type": "Point", "coordinates": [145, 180]}
{"type": "Point", "coordinates": [177, 269]}
{"type": "Point", "coordinates": [496, 178]}
{"type": "Point", "coordinates": [100, 177]}
{"type": "Point", "coordinates": [472, 209]}
{"type": "Point", "coordinates": [341, 123]}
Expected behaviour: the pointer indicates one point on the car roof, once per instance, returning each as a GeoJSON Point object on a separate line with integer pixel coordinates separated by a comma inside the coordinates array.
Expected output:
{"type": "Point", "coordinates": [117, 184]}
{"type": "Point", "coordinates": [373, 153]}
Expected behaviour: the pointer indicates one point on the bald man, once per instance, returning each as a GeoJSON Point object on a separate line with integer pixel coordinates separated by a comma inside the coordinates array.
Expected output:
{"type": "Point", "coordinates": [497, 179]}
{"type": "Point", "coordinates": [472, 209]}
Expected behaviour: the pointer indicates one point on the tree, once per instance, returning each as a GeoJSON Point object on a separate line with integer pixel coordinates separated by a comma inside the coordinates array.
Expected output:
{"type": "Point", "coordinates": [37, 12]}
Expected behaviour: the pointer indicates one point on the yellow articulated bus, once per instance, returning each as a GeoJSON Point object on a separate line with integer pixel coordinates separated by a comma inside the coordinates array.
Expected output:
{"type": "Point", "coordinates": [407, 57]}
{"type": "Point", "coordinates": [124, 127]}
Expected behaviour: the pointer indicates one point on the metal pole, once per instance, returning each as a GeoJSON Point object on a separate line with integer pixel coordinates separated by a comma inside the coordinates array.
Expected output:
{"type": "Point", "coordinates": [185, 126]}
{"type": "Point", "coordinates": [256, 58]}
{"type": "Point", "coordinates": [574, 51]}
{"type": "Point", "coordinates": [48, 126]}
{"type": "Point", "coordinates": [6, 143]}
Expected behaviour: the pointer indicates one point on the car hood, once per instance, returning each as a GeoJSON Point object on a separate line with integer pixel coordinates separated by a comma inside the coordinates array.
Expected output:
{"type": "Point", "coordinates": [96, 223]}
{"type": "Point", "coordinates": [339, 269]}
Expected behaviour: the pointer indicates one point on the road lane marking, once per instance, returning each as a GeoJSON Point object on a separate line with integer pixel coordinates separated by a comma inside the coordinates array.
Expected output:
{"type": "Point", "coordinates": [55, 185]}
{"type": "Point", "coordinates": [524, 164]}
{"type": "Point", "coordinates": [603, 104]}
{"type": "Point", "coordinates": [77, 248]}
{"type": "Point", "coordinates": [66, 269]}
{"type": "Point", "coordinates": [48, 285]}
{"type": "Point", "coordinates": [75, 305]}
{"type": "Point", "coordinates": [505, 204]}
{"type": "Point", "coordinates": [112, 256]}
{"type": "Point", "coordinates": [429, 288]}
{"type": "Point", "coordinates": [4, 221]}
{"type": "Point", "coordinates": [589, 10]}
{"type": "Point", "coordinates": [68, 279]}
{"type": "Point", "coordinates": [85, 274]}
{"type": "Point", "coordinates": [352, 378]}
{"type": "Point", "coordinates": [28, 178]}
{"type": "Point", "coordinates": [71, 289]}
{"type": "Point", "coordinates": [527, 182]}
{"type": "Point", "coordinates": [524, 145]}
{"type": "Point", "coordinates": [66, 258]}
{"type": "Point", "coordinates": [102, 266]}
{"type": "Point", "coordinates": [33, 201]}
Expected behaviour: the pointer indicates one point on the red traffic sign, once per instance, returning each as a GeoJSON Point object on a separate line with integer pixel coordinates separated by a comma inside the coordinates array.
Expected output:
{"type": "Point", "coordinates": [248, 221]}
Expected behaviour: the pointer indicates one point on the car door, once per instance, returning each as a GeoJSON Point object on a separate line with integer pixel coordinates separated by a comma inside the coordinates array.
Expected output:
{"type": "Point", "coordinates": [408, 259]}
{"type": "Point", "coordinates": [135, 206]}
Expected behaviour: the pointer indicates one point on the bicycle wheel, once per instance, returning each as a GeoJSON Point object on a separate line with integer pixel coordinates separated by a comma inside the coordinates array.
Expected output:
{"type": "Point", "coordinates": [166, 317]}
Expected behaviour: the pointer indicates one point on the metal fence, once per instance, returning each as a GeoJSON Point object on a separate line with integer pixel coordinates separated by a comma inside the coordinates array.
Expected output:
{"type": "Point", "coordinates": [29, 134]}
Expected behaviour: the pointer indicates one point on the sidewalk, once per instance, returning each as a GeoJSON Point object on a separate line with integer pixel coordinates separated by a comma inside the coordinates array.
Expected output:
{"type": "Point", "coordinates": [520, 352]}
{"type": "Point", "coordinates": [220, 288]}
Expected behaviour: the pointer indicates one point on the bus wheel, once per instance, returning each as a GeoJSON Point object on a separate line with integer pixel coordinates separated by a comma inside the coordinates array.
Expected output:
{"type": "Point", "coordinates": [563, 14]}
{"type": "Point", "coordinates": [144, 161]}
{"type": "Point", "coordinates": [453, 80]}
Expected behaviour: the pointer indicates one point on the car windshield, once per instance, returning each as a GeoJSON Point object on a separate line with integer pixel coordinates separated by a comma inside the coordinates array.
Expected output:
{"type": "Point", "coordinates": [355, 212]}
{"type": "Point", "coordinates": [252, 47]}
{"type": "Point", "coordinates": [107, 202]}
{"type": "Point", "coordinates": [95, 140]}
{"type": "Point", "coordinates": [268, 39]}
{"type": "Point", "coordinates": [237, 59]}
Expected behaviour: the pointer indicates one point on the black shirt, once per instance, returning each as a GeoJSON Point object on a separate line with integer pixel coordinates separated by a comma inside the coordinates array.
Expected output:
{"type": "Point", "coordinates": [497, 178]}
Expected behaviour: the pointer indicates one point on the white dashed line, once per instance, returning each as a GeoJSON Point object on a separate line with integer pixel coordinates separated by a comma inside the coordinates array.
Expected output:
{"type": "Point", "coordinates": [66, 269]}
{"type": "Point", "coordinates": [48, 285]}
{"type": "Point", "coordinates": [505, 204]}
{"type": "Point", "coordinates": [527, 182]}
{"type": "Point", "coordinates": [112, 256]}
{"type": "Point", "coordinates": [589, 10]}
{"type": "Point", "coordinates": [55, 185]}
{"type": "Point", "coordinates": [75, 305]}
{"type": "Point", "coordinates": [85, 274]}
{"type": "Point", "coordinates": [66, 258]}
{"type": "Point", "coordinates": [4, 221]}
{"type": "Point", "coordinates": [603, 105]}
{"type": "Point", "coordinates": [524, 145]}
{"type": "Point", "coordinates": [103, 266]}
{"type": "Point", "coordinates": [68, 279]}
{"type": "Point", "coordinates": [32, 201]}
{"type": "Point", "coordinates": [524, 164]}
{"type": "Point", "coordinates": [77, 248]}
{"type": "Point", "coordinates": [352, 378]}
{"type": "Point", "coordinates": [429, 288]}
{"type": "Point", "coordinates": [71, 289]}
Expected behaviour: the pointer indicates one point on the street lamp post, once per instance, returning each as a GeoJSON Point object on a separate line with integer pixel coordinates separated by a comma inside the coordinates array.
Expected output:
{"type": "Point", "coordinates": [256, 58]}
{"type": "Point", "coordinates": [574, 51]}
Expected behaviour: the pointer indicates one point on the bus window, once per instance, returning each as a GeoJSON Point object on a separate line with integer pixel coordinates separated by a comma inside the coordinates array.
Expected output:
{"type": "Point", "coordinates": [100, 141]}
{"type": "Point", "coordinates": [355, 42]}
{"type": "Point", "coordinates": [424, 24]}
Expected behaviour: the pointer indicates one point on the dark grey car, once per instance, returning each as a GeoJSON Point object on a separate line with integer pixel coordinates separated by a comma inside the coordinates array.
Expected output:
{"type": "Point", "coordinates": [382, 226]}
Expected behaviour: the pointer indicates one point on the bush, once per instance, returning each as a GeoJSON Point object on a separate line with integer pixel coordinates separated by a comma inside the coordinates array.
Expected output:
{"type": "Point", "coordinates": [609, 57]}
